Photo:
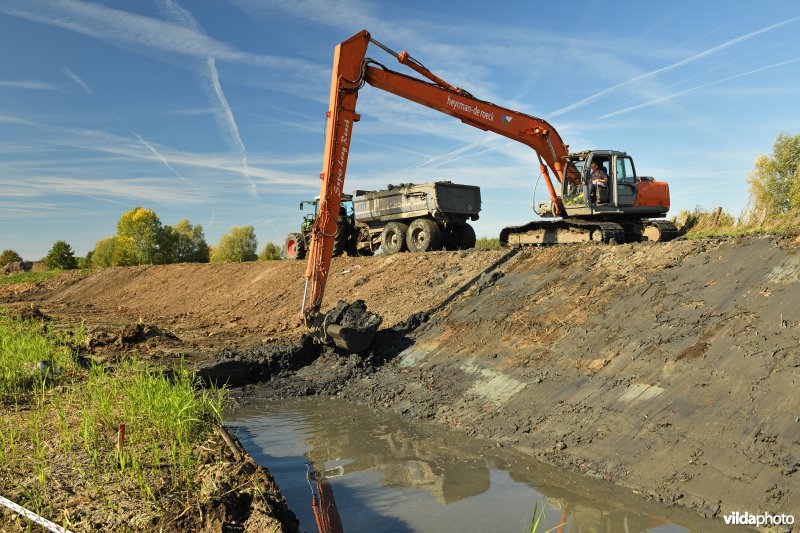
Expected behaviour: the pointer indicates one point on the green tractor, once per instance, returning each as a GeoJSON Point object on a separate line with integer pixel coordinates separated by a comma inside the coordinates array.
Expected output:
{"type": "Point", "coordinates": [297, 244]}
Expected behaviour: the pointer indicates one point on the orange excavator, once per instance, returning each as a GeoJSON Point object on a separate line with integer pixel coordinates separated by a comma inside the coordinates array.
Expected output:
{"type": "Point", "coordinates": [627, 208]}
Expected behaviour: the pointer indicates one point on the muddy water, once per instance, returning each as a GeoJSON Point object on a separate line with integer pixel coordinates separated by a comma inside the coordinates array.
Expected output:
{"type": "Point", "coordinates": [392, 474]}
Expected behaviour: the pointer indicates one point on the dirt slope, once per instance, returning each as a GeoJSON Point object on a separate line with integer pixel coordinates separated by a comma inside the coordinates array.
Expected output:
{"type": "Point", "coordinates": [671, 369]}
{"type": "Point", "coordinates": [668, 368]}
{"type": "Point", "coordinates": [210, 306]}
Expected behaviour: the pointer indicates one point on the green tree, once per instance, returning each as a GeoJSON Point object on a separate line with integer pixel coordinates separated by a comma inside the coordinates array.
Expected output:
{"type": "Point", "coordinates": [61, 257]}
{"type": "Point", "coordinates": [9, 256]}
{"type": "Point", "coordinates": [238, 245]}
{"type": "Point", "coordinates": [103, 252]}
{"type": "Point", "coordinates": [124, 253]}
{"type": "Point", "coordinates": [775, 179]}
{"type": "Point", "coordinates": [183, 243]}
{"type": "Point", "coordinates": [270, 252]}
{"type": "Point", "coordinates": [139, 231]}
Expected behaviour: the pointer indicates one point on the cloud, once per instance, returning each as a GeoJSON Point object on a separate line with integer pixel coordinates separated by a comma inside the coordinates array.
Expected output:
{"type": "Point", "coordinates": [695, 88]}
{"type": "Point", "coordinates": [210, 75]}
{"type": "Point", "coordinates": [28, 84]}
{"type": "Point", "coordinates": [77, 79]}
{"type": "Point", "coordinates": [160, 156]}
{"type": "Point", "coordinates": [139, 33]}
{"type": "Point", "coordinates": [691, 59]}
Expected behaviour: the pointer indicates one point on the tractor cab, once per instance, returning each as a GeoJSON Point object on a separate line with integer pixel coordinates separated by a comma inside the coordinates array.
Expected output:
{"type": "Point", "coordinates": [345, 210]}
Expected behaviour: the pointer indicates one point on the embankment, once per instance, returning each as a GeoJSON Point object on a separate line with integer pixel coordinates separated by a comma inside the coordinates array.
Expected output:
{"type": "Point", "coordinates": [668, 368]}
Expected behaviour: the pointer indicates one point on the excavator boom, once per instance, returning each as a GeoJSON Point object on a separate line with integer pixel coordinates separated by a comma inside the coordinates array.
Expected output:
{"type": "Point", "coordinates": [352, 69]}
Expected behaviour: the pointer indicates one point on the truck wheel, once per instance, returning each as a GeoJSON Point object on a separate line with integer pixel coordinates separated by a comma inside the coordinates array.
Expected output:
{"type": "Point", "coordinates": [393, 238]}
{"type": "Point", "coordinates": [342, 237]}
{"type": "Point", "coordinates": [464, 236]}
{"type": "Point", "coordinates": [295, 246]}
{"type": "Point", "coordinates": [423, 235]}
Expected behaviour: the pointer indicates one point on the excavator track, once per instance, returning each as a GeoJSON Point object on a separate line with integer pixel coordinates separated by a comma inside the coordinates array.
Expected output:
{"type": "Point", "coordinates": [659, 231]}
{"type": "Point", "coordinates": [562, 232]}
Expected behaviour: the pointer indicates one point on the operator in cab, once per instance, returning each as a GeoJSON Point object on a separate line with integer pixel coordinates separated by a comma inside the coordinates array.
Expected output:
{"type": "Point", "coordinates": [597, 178]}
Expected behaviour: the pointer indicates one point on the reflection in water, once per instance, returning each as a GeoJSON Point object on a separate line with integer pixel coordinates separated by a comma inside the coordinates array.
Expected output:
{"type": "Point", "coordinates": [391, 474]}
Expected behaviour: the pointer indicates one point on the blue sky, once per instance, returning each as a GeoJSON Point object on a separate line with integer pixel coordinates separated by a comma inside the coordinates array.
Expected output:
{"type": "Point", "coordinates": [215, 110]}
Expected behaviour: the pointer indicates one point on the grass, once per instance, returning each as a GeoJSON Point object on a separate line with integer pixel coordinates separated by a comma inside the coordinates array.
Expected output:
{"type": "Point", "coordinates": [28, 277]}
{"type": "Point", "coordinates": [62, 430]}
{"type": "Point", "coordinates": [487, 243]}
{"type": "Point", "coordinates": [701, 223]}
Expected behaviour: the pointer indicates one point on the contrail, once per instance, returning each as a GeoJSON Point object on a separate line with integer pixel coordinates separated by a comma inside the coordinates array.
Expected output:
{"type": "Point", "coordinates": [77, 79]}
{"type": "Point", "coordinates": [224, 113]}
{"type": "Point", "coordinates": [227, 116]}
{"type": "Point", "coordinates": [681, 93]}
{"type": "Point", "coordinates": [160, 156]}
{"type": "Point", "coordinates": [691, 59]}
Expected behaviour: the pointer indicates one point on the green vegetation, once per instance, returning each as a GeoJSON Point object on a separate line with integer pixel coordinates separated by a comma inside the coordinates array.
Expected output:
{"type": "Point", "coordinates": [538, 515]}
{"type": "Point", "coordinates": [487, 243]}
{"type": "Point", "coordinates": [236, 246]}
{"type": "Point", "coordinates": [183, 243]}
{"type": "Point", "coordinates": [270, 252]}
{"type": "Point", "coordinates": [59, 427]}
{"type": "Point", "coordinates": [9, 256]}
{"type": "Point", "coordinates": [774, 198]}
{"type": "Point", "coordinates": [61, 257]}
{"type": "Point", "coordinates": [27, 277]}
{"type": "Point", "coordinates": [141, 239]}
{"type": "Point", "coordinates": [775, 180]}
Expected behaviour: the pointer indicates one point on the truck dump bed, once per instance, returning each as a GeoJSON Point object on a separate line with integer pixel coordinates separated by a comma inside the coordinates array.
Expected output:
{"type": "Point", "coordinates": [441, 200]}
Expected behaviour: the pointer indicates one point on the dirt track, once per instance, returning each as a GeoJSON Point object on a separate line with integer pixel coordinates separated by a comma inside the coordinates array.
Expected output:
{"type": "Point", "coordinates": [666, 368]}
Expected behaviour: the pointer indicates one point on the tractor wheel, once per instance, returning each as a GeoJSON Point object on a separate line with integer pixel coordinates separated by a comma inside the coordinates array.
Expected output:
{"type": "Point", "coordinates": [464, 236]}
{"type": "Point", "coordinates": [423, 235]}
{"type": "Point", "coordinates": [393, 238]}
{"type": "Point", "coordinates": [295, 246]}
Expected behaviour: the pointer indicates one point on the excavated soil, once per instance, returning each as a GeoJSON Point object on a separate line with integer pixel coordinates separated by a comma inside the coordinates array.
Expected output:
{"type": "Point", "coordinates": [667, 368]}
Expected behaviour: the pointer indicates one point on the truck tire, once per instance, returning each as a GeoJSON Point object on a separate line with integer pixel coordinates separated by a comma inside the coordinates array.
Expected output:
{"type": "Point", "coordinates": [393, 238]}
{"type": "Point", "coordinates": [295, 246]}
{"type": "Point", "coordinates": [342, 238]}
{"type": "Point", "coordinates": [464, 237]}
{"type": "Point", "coordinates": [423, 235]}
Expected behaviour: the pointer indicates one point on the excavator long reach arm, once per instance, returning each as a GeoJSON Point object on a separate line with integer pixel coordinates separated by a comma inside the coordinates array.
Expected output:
{"type": "Point", "coordinates": [351, 71]}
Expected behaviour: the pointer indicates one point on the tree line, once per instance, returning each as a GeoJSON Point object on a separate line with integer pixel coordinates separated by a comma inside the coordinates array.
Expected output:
{"type": "Point", "coordinates": [142, 239]}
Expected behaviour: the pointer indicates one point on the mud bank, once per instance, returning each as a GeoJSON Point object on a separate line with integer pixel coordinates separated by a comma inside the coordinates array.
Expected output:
{"type": "Point", "coordinates": [666, 368]}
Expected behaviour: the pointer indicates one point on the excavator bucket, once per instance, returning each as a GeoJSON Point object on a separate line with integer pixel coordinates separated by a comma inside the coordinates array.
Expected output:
{"type": "Point", "coordinates": [352, 339]}
{"type": "Point", "coordinates": [349, 326]}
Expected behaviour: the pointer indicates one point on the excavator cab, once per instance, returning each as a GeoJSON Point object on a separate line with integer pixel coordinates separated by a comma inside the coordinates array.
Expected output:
{"type": "Point", "coordinates": [619, 197]}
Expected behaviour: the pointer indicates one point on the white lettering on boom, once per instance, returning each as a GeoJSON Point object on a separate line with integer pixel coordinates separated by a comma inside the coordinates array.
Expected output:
{"type": "Point", "coordinates": [473, 110]}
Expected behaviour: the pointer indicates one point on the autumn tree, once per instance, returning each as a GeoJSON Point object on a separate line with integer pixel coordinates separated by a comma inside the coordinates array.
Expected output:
{"type": "Point", "coordinates": [61, 257]}
{"type": "Point", "coordinates": [138, 238]}
{"type": "Point", "coordinates": [9, 256]}
{"type": "Point", "coordinates": [270, 252]}
{"type": "Point", "coordinates": [238, 245]}
{"type": "Point", "coordinates": [775, 179]}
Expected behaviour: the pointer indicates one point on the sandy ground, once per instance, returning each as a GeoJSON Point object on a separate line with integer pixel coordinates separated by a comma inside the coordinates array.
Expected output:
{"type": "Point", "coordinates": [667, 368]}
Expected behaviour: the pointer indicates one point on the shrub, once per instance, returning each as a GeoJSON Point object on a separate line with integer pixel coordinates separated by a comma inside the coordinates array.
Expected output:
{"type": "Point", "coordinates": [238, 245]}
{"type": "Point", "coordinates": [61, 257]}
{"type": "Point", "coordinates": [9, 256]}
{"type": "Point", "coordinates": [270, 252]}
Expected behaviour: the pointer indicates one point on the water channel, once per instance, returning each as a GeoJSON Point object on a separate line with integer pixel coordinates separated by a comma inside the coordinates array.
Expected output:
{"type": "Point", "coordinates": [389, 473]}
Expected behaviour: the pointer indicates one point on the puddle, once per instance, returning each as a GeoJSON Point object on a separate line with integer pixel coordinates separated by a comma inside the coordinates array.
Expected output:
{"type": "Point", "coordinates": [392, 474]}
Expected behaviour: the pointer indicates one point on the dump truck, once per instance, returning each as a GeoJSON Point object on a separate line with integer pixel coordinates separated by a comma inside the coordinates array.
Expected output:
{"type": "Point", "coordinates": [407, 217]}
